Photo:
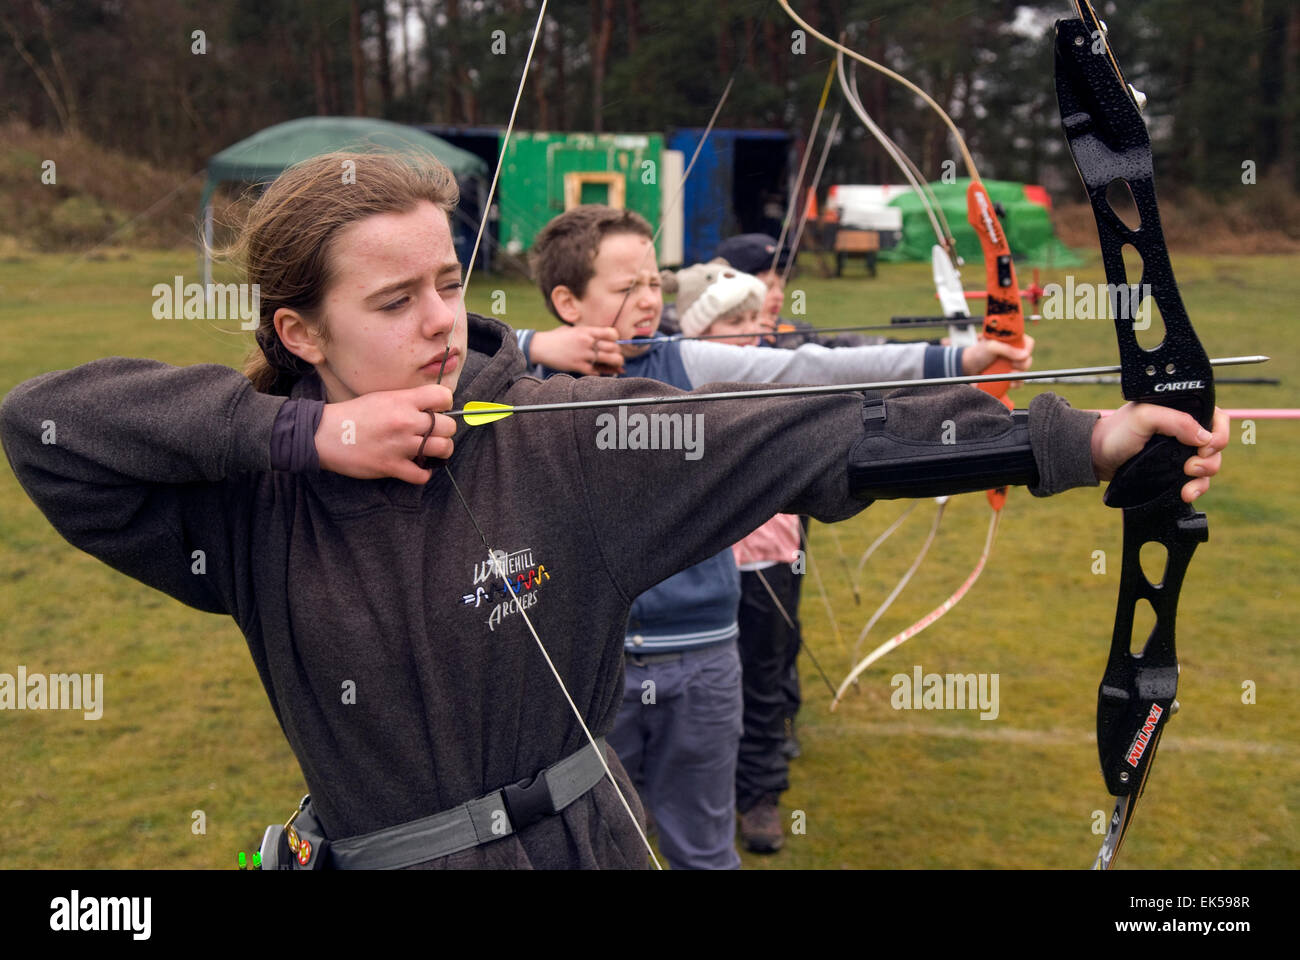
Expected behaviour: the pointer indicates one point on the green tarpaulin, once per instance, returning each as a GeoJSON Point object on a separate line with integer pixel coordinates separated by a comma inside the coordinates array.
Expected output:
{"type": "Point", "coordinates": [1027, 225]}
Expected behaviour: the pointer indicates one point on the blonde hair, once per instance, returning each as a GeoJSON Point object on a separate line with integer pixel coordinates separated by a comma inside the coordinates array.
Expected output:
{"type": "Point", "coordinates": [285, 242]}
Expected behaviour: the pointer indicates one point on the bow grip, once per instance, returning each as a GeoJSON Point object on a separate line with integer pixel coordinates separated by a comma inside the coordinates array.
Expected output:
{"type": "Point", "coordinates": [1157, 468]}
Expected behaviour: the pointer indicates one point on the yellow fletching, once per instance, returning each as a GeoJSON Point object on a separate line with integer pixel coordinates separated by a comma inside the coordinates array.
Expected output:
{"type": "Point", "coordinates": [479, 412]}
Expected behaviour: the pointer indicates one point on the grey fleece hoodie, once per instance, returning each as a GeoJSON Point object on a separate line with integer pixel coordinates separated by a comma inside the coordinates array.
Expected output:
{"type": "Point", "coordinates": [387, 586]}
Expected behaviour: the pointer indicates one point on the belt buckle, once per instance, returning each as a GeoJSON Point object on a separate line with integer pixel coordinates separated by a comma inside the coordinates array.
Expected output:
{"type": "Point", "coordinates": [528, 801]}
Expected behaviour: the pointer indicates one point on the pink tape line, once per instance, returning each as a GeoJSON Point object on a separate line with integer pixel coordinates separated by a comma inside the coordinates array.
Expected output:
{"type": "Point", "coordinates": [1263, 413]}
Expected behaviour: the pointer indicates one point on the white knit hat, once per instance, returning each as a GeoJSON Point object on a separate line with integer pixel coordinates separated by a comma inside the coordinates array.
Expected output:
{"type": "Point", "coordinates": [731, 290]}
{"type": "Point", "coordinates": [689, 282]}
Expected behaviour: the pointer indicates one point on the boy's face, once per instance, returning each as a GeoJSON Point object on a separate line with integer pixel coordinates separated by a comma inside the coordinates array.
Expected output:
{"type": "Point", "coordinates": [775, 297]}
{"type": "Point", "coordinates": [623, 291]}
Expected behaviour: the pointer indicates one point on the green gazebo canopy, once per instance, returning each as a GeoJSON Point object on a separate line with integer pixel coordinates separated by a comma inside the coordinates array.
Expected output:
{"type": "Point", "coordinates": [266, 154]}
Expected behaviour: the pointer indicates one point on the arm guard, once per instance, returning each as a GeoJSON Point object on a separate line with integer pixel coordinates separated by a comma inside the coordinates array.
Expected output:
{"type": "Point", "coordinates": [888, 466]}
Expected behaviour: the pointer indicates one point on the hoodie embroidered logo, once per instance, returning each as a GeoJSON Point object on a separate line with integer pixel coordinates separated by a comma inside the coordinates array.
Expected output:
{"type": "Point", "coordinates": [525, 575]}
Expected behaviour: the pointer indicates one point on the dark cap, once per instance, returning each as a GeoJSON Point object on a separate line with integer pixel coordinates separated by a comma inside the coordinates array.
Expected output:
{"type": "Point", "coordinates": [752, 252]}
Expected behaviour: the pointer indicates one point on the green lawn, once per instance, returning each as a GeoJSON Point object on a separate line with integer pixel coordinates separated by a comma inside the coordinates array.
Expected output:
{"type": "Point", "coordinates": [186, 726]}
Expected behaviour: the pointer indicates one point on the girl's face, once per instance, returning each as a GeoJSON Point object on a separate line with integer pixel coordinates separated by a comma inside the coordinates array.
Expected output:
{"type": "Point", "coordinates": [391, 307]}
{"type": "Point", "coordinates": [739, 328]}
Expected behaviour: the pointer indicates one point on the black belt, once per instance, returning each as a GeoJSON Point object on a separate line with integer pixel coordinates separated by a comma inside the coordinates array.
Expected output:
{"type": "Point", "coordinates": [492, 816]}
{"type": "Point", "coordinates": [643, 659]}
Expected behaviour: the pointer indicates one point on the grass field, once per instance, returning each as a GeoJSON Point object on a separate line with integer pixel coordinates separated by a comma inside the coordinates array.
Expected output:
{"type": "Point", "coordinates": [186, 725]}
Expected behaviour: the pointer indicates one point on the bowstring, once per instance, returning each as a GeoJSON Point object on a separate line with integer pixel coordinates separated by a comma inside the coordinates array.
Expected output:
{"type": "Point", "coordinates": [681, 185]}
{"type": "Point", "coordinates": [492, 555]}
{"type": "Point", "coordinates": [793, 203]}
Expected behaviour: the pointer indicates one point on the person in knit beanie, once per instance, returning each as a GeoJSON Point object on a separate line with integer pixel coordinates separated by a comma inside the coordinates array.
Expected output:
{"type": "Point", "coordinates": [730, 299]}
{"type": "Point", "coordinates": [685, 285]}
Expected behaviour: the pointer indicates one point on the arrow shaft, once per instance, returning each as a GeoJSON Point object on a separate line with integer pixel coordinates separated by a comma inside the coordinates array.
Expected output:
{"type": "Point", "coordinates": [899, 323]}
{"type": "Point", "coordinates": [823, 389]}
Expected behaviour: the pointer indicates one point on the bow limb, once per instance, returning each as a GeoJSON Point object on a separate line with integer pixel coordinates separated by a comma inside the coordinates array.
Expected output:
{"type": "Point", "coordinates": [907, 575]}
{"type": "Point", "coordinates": [952, 127]}
{"type": "Point", "coordinates": [930, 618]}
{"type": "Point", "coordinates": [1004, 320]}
{"type": "Point", "coordinates": [793, 204]}
{"type": "Point", "coordinates": [803, 216]}
{"type": "Point", "coordinates": [900, 156]}
{"type": "Point", "coordinates": [848, 86]}
{"type": "Point", "coordinates": [898, 639]}
{"type": "Point", "coordinates": [875, 544]}
{"type": "Point", "coordinates": [1108, 141]}
{"type": "Point", "coordinates": [943, 256]}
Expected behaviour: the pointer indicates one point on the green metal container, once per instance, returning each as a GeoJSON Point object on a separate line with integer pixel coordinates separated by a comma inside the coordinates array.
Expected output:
{"type": "Point", "coordinates": [533, 176]}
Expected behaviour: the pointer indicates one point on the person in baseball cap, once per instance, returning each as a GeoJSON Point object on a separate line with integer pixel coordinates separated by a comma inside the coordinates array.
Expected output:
{"type": "Point", "coordinates": [754, 253]}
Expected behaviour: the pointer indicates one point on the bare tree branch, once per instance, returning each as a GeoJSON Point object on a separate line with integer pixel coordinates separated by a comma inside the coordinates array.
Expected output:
{"type": "Point", "coordinates": [41, 76]}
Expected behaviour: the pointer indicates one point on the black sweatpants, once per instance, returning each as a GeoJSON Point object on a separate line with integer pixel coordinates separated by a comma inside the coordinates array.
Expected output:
{"type": "Point", "coordinates": [768, 648]}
